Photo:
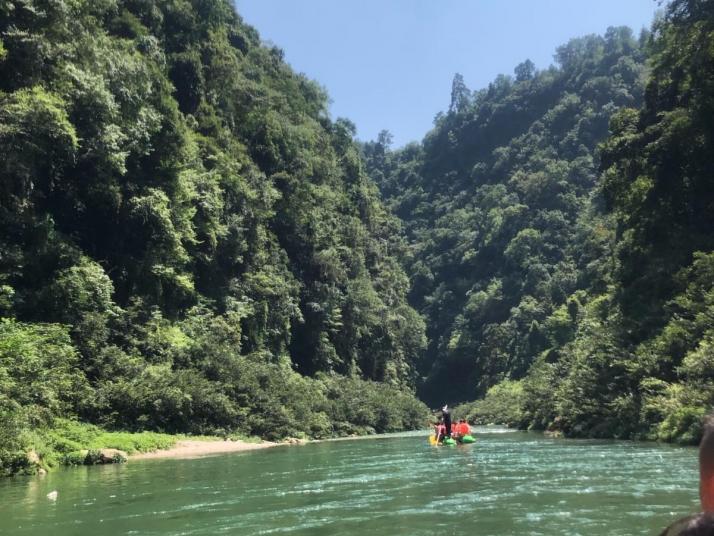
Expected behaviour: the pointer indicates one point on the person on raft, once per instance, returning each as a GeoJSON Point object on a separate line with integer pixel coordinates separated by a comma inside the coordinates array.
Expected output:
{"type": "Point", "coordinates": [446, 415]}
{"type": "Point", "coordinates": [701, 524]}
{"type": "Point", "coordinates": [461, 429]}
{"type": "Point", "coordinates": [456, 430]}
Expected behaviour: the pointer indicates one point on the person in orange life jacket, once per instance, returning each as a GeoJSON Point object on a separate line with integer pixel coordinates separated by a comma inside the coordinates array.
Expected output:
{"type": "Point", "coordinates": [462, 428]}
{"type": "Point", "coordinates": [456, 431]}
{"type": "Point", "coordinates": [447, 419]}
{"type": "Point", "coordinates": [701, 524]}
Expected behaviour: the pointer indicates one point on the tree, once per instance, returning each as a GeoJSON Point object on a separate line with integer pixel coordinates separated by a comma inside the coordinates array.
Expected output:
{"type": "Point", "coordinates": [460, 94]}
{"type": "Point", "coordinates": [524, 71]}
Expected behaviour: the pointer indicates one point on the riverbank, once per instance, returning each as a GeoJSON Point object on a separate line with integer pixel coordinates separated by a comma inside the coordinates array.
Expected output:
{"type": "Point", "coordinates": [194, 449]}
{"type": "Point", "coordinates": [71, 442]}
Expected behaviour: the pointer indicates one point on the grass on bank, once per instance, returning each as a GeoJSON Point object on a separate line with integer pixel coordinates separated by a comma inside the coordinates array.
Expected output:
{"type": "Point", "coordinates": [71, 442]}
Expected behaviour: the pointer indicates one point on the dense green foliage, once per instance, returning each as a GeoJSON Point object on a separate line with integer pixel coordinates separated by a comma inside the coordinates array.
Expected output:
{"type": "Point", "coordinates": [503, 404]}
{"type": "Point", "coordinates": [562, 226]}
{"type": "Point", "coordinates": [191, 245]}
{"type": "Point", "coordinates": [187, 238]}
{"type": "Point", "coordinates": [497, 201]}
{"type": "Point", "coordinates": [657, 181]}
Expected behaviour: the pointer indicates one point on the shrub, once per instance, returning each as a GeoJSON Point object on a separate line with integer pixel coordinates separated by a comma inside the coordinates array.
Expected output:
{"type": "Point", "coordinates": [503, 404]}
{"type": "Point", "coordinates": [684, 425]}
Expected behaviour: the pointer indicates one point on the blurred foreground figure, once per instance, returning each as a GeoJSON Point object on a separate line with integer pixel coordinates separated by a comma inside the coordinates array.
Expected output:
{"type": "Point", "coordinates": [701, 524]}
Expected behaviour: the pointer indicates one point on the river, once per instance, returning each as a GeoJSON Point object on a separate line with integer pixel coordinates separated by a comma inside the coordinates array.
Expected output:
{"type": "Point", "coordinates": [505, 483]}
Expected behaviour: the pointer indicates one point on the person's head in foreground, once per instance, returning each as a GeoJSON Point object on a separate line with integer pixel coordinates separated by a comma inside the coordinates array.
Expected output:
{"type": "Point", "coordinates": [701, 524]}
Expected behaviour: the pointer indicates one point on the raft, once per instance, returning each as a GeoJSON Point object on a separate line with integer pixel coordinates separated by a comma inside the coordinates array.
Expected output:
{"type": "Point", "coordinates": [448, 442]}
{"type": "Point", "coordinates": [467, 439]}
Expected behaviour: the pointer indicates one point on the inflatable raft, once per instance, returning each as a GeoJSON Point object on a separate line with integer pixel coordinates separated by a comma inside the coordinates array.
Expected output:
{"type": "Point", "coordinates": [449, 442]}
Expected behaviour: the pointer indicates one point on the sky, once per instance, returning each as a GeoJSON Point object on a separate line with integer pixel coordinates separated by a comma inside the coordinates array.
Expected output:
{"type": "Point", "coordinates": [388, 64]}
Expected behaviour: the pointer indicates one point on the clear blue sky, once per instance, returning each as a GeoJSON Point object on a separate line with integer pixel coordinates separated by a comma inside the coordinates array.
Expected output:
{"type": "Point", "coordinates": [389, 63]}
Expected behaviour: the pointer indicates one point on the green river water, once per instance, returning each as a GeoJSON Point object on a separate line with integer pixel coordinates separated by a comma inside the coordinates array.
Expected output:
{"type": "Point", "coordinates": [505, 483]}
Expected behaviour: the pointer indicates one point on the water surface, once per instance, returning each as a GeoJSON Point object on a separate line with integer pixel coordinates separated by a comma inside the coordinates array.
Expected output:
{"type": "Point", "coordinates": [506, 483]}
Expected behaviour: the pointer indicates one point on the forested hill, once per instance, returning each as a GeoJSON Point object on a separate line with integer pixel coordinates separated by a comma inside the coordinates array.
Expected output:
{"type": "Point", "coordinates": [183, 226]}
{"type": "Point", "coordinates": [571, 261]}
{"type": "Point", "coordinates": [498, 204]}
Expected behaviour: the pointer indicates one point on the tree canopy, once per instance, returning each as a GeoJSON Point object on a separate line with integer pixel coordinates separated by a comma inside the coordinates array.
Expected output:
{"type": "Point", "coordinates": [561, 227]}
{"type": "Point", "coordinates": [182, 218]}
{"type": "Point", "coordinates": [500, 207]}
